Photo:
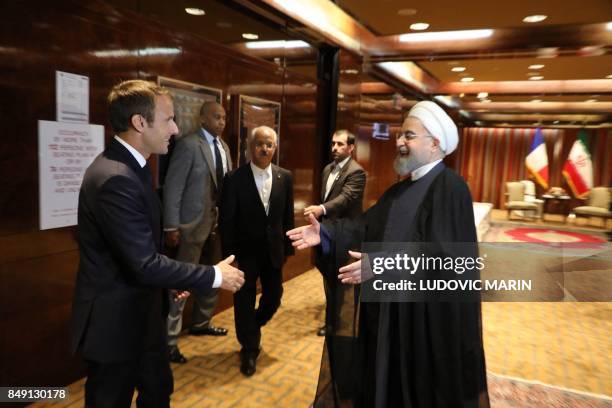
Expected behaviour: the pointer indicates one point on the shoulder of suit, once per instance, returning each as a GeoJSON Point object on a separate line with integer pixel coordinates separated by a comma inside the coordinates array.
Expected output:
{"type": "Point", "coordinates": [192, 138]}
{"type": "Point", "coordinates": [281, 170]}
{"type": "Point", "coordinates": [449, 180]}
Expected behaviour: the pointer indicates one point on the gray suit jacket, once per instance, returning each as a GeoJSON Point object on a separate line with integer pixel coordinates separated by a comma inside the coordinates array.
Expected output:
{"type": "Point", "coordinates": [190, 188]}
{"type": "Point", "coordinates": [345, 197]}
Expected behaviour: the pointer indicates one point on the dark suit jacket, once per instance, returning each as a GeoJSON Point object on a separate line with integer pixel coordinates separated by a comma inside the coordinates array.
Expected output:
{"type": "Point", "coordinates": [119, 308]}
{"type": "Point", "coordinates": [244, 226]}
{"type": "Point", "coordinates": [345, 198]}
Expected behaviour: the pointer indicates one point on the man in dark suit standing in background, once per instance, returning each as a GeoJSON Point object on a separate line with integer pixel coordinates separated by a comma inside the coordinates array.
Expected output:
{"type": "Point", "coordinates": [341, 197]}
{"type": "Point", "coordinates": [191, 192]}
{"type": "Point", "coordinates": [120, 306]}
{"type": "Point", "coordinates": [256, 210]}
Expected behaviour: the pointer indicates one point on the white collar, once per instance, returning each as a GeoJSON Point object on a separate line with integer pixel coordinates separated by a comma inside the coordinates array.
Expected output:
{"type": "Point", "coordinates": [139, 157]}
{"type": "Point", "coordinates": [423, 170]}
{"type": "Point", "coordinates": [341, 165]}
{"type": "Point", "coordinates": [257, 171]}
{"type": "Point", "coordinates": [208, 136]}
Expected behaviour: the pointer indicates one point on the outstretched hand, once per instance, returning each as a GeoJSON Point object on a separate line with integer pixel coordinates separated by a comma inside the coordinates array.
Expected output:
{"type": "Point", "coordinates": [351, 273]}
{"type": "Point", "coordinates": [306, 236]}
{"type": "Point", "coordinates": [233, 278]}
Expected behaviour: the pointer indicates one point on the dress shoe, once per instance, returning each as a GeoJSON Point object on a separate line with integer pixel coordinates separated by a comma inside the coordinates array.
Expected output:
{"type": "Point", "coordinates": [247, 364]}
{"type": "Point", "coordinates": [321, 332]}
{"type": "Point", "coordinates": [176, 356]}
{"type": "Point", "coordinates": [207, 331]}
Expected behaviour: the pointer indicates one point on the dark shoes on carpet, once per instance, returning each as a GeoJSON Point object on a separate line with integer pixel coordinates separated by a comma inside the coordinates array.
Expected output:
{"type": "Point", "coordinates": [248, 362]}
{"type": "Point", "coordinates": [176, 356]}
{"type": "Point", "coordinates": [207, 331]}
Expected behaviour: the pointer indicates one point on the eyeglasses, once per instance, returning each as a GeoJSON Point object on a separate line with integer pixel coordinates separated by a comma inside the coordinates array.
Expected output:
{"type": "Point", "coordinates": [409, 135]}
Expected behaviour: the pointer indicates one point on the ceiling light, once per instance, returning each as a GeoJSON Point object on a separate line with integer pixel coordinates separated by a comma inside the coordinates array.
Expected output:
{"type": "Point", "coordinates": [407, 12]}
{"type": "Point", "coordinates": [250, 36]}
{"type": "Point", "coordinates": [485, 100]}
{"type": "Point", "coordinates": [276, 44]}
{"type": "Point", "coordinates": [446, 35]}
{"type": "Point", "coordinates": [555, 122]}
{"type": "Point", "coordinates": [536, 78]}
{"type": "Point", "coordinates": [591, 100]}
{"type": "Point", "coordinates": [536, 18]}
{"type": "Point", "coordinates": [536, 100]}
{"type": "Point", "coordinates": [461, 95]}
{"type": "Point", "coordinates": [458, 69]}
{"type": "Point", "coordinates": [609, 76]}
{"type": "Point", "coordinates": [419, 26]}
{"type": "Point", "coordinates": [482, 95]}
{"type": "Point", "coordinates": [536, 66]}
{"type": "Point", "coordinates": [349, 71]}
{"type": "Point", "coordinates": [195, 11]}
{"type": "Point", "coordinates": [467, 79]}
{"type": "Point", "coordinates": [609, 26]}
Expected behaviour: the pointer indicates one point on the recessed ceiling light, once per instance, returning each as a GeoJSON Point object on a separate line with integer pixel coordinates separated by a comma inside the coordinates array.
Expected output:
{"type": "Point", "coordinates": [482, 95]}
{"type": "Point", "coordinates": [609, 76]}
{"type": "Point", "coordinates": [536, 78]}
{"type": "Point", "coordinates": [407, 12]}
{"type": "Point", "coordinates": [536, 100]}
{"type": "Point", "coordinates": [195, 11]}
{"type": "Point", "coordinates": [350, 71]}
{"type": "Point", "coordinates": [591, 100]}
{"type": "Point", "coordinates": [461, 95]}
{"type": "Point", "coordinates": [250, 36]}
{"type": "Point", "coordinates": [419, 26]}
{"type": "Point", "coordinates": [555, 122]}
{"type": "Point", "coordinates": [536, 18]}
{"type": "Point", "coordinates": [536, 66]}
{"type": "Point", "coordinates": [609, 26]}
{"type": "Point", "coordinates": [467, 79]}
{"type": "Point", "coordinates": [458, 69]}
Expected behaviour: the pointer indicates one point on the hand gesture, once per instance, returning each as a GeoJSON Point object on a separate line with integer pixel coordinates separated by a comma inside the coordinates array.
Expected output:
{"type": "Point", "coordinates": [351, 273]}
{"type": "Point", "coordinates": [315, 210]}
{"type": "Point", "coordinates": [306, 236]}
{"type": "Point", "coordinates": [233, 278]}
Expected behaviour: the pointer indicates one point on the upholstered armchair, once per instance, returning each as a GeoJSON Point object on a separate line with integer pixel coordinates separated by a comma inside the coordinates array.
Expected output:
{"type": "Point", "coordinates": [515, 191]}
{"type": "Point", "coordinates": [598, 205]}
{"type": "Point", "coordinates": [530, 196]}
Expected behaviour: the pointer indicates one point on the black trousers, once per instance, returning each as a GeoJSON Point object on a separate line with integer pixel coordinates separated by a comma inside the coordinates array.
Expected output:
{"type": "Point", "coordinates": [113, 384]}
{"type": "Point", "coordinates": [248, 319]}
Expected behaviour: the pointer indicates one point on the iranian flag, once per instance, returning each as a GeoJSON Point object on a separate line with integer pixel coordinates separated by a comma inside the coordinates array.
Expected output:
{"type": "Point", "coordinates": [537, 159]}
{"type": "Point", "coordinates": [578, 168]}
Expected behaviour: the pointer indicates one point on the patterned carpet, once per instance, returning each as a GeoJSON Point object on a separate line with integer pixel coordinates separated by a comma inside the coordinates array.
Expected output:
{"type": "Point", "coordinates": [541, 354]}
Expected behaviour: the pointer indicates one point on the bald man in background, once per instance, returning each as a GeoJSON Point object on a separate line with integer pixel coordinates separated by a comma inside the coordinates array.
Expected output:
{"type": "Point", "coordinates": [192, 189]}
{"type": "Point", "coordinates": [411, 354]}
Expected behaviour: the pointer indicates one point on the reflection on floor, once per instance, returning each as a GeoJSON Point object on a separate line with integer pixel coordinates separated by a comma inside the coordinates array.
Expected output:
{"type": "Point", "coordinates": [563, 344]}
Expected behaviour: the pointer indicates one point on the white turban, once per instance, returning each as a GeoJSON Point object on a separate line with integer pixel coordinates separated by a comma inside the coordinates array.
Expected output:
{"type": "Point", "coordinates": [438, 123]}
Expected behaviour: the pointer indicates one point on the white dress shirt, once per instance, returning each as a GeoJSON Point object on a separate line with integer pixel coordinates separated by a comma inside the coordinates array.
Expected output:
{"type": "Point", "coordinates": [142, 162]}
{"type": "Point", "coordinates": [263, 182]}
{"type": "Point", "coordinates": [423, 170]}
{"type": "Point", "coordinates": [210, 139]}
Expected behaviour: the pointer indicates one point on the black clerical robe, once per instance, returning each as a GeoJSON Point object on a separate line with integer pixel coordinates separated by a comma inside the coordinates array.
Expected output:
{"type": "Point", "coordinates": [420, 355]}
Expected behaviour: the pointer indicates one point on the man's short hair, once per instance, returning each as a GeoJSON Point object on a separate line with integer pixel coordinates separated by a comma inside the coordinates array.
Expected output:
{"type": "Point", "coordinates": [262, 128]}
{"type": "Point", "coordinates": [207, 105]}
{"type": "Point", "coordinates": [350, 138]}
{"type": "Point", "coordinates": [133, 97]}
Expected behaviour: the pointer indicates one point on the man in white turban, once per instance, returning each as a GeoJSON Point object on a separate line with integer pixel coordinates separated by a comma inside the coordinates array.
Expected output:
{"type": "Point", "coordinates": [408, 354]}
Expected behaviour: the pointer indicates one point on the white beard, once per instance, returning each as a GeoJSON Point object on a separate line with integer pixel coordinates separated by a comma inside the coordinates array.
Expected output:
{"type": "Point", "coordinates": [404, 165]}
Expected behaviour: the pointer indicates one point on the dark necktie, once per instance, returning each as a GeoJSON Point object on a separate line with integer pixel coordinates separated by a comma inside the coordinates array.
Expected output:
{"type": "Point", "coordinates": [218, 164]}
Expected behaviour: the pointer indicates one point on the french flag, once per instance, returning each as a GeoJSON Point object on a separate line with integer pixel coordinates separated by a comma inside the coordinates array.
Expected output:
{"type": "Point", "coordinates": [537, 159]}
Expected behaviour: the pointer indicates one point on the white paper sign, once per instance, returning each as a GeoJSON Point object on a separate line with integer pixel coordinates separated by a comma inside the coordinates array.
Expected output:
{"type": "Point", "coordinates": [72, 97]}
{"type": "Point", "coordinates": [65, 150]}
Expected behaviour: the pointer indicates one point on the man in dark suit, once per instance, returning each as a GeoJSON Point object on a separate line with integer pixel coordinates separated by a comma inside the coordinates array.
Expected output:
{"type": "Point", "coordinates": [256, 210]}
{"type": "Point", "coordinates": [191, 191]}
{"type": "Point", "coordinates": [120, 306]}
{"type": "Point", "coordinates": [341, 197]}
